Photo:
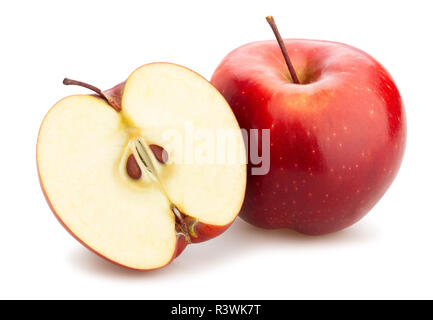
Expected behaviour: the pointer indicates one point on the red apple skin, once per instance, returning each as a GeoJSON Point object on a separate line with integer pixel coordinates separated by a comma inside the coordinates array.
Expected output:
{"type": "Point", "coordinates": [204, 231]}
{"type": "Point", "coordinates": [114, 96]}
{"type": "Point", "coordinates": [336, 140]}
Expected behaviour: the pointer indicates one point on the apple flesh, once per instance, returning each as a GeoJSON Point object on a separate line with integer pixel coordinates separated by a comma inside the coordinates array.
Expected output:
{"type": "Point", "coordinates": [336, 139]}
{"type": "Point", "coordinates": [139, 213]}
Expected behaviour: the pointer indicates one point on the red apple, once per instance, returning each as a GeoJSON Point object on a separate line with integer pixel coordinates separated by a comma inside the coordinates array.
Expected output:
{"type": "Point", "coordinates": [337, 138]}
{"type": "Point", "coordinates": [116, 181]}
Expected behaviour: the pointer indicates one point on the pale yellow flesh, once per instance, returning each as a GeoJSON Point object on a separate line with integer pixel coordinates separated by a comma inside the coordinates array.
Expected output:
{"type": "Point", "coordinates": [80, 145]}
{"type": "Point", "coordinates": [81, 154]}
{"type": "Point", "coordinates": [162, 97]}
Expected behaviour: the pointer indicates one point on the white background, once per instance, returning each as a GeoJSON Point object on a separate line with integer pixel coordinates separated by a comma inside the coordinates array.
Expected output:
{"type": "Point", "coordinates": [386, 255]}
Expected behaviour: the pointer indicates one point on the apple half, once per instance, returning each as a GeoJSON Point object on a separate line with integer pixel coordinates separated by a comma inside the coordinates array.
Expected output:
{"type": "Point", "coordinates": [106, 166]}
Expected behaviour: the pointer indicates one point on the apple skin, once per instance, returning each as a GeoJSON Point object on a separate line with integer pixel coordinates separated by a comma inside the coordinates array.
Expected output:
{"type": "Point", "coordinates": [336, 140]}
{"type": "Point", "coordinates": [114, 96]}
{"type": "Point", "coordinates": [206, 231]}
{"type": "Point", "coordinates": [203, 232]}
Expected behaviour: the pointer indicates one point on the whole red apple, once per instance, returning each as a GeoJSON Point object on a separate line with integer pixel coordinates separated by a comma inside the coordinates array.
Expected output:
{"type": "Point", "coordinates": [337, 137]}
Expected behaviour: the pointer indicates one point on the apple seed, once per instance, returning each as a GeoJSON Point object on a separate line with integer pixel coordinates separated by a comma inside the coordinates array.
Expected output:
{"type": "Point", "coordinates": [132, 168]}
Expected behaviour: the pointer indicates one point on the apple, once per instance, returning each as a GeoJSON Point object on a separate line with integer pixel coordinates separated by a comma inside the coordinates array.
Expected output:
{"type": "Point", "coordinates": [337, 130]}
{"type": "Point", "coordinates": [109, 172]}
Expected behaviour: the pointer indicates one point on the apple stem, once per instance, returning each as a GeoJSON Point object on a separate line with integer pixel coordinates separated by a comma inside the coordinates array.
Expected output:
{"type": "Point", "coordinates": [292, 71]}
{"type": "Point", "coordinates": [68, 82]}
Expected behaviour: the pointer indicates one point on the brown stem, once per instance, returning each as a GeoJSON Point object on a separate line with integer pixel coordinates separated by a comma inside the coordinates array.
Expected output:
{"type": "Point", "coordinates": [68, 82]}
{"type": "Point", "coordinates": [292, 71]}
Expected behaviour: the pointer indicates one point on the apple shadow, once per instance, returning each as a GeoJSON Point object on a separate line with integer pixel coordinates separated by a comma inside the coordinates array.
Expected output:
{"type": "Point", "coordinates": [240, 239]}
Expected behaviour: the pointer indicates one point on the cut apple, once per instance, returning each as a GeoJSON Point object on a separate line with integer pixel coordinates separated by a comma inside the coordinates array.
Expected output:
{"type": "Point", "coordinates": [118, 174]}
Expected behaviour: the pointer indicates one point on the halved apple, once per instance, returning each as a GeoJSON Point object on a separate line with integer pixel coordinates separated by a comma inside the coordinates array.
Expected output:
{"type": "Point", "coordinates": [123, 173]}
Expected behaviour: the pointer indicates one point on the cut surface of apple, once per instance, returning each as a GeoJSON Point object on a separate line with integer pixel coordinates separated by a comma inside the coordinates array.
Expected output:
{"type": "Point", "coordinates": [138, 221]}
